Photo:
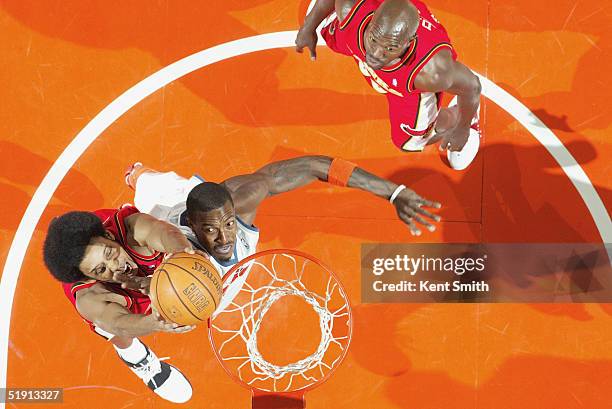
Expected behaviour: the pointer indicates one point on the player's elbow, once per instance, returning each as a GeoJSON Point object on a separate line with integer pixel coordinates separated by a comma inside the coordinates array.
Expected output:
{"type": "Point", "coordinates": [123, 331]}
{"type": "Point", "coordinates": [119, 332]}
{"type": "Point", "coordinates": [476, 86]}
{"type": "Point", "coordinates": [111, 328]}
{"type": "Point", "coordinates": [115, 324]}
{"type": "Point", "coordinates": [470, 87]}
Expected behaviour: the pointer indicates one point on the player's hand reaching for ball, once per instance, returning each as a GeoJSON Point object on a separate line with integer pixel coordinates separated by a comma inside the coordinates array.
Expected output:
{"type": "Point", "coordinates": [188, 250]}
{"type": "Point", "coordinates": [191, 250]}
{"type": "Point", "coordinates": [409, 207]}
{"type": "Point", "coordinates": [307, 37]}
{"type": "Point", "coordinates": [136, 283]}
{"type": "Point", "coordinates": [159, 325]}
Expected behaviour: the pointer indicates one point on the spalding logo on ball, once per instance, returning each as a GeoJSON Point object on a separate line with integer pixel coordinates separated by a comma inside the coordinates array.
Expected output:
{"type": "Point", "coordinates": [186, 289]}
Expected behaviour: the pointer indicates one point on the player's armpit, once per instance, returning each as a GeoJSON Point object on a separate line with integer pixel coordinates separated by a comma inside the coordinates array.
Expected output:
{"type": "Point", "coordinates": [247, 192]}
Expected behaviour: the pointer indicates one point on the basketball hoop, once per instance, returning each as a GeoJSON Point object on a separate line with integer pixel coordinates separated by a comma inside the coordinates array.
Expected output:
{"type": "Point", "coordinates": [264, 293]}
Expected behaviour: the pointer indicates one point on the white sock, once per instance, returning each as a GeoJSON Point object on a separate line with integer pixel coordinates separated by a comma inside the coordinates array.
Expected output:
{"type": "Point", "coordinates": [135, 353]}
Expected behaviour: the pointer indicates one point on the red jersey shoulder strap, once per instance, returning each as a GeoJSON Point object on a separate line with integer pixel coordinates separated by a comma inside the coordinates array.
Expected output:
{"type": "Point", "coordinates": [419, 66]}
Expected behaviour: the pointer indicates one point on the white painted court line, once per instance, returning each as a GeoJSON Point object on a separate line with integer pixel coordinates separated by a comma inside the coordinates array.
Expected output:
{"type": "Point", "coordinates": [201, 59]}
{"type": "Point", "coordinates": [555, 147]}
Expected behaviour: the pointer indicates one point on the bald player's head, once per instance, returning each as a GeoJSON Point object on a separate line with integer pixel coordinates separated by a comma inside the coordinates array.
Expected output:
{"type": "Point", "coordinates": [388, 35]}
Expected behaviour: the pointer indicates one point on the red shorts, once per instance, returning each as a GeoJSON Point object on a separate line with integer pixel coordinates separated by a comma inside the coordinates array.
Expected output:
{"type": "Point", "coordinates": [413, 118]}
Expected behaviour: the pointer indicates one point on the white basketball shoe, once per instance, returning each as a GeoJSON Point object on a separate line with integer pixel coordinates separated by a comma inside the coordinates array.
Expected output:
{"type": "Point", "coordinates": [163, 379]}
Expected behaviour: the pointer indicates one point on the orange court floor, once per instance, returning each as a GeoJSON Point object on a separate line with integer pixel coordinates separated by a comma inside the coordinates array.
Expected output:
{"type": "Point", "coordinates": [66, 61]}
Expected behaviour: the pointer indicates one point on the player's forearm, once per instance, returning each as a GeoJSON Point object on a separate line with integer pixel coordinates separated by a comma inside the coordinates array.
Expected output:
{"type": "Point", "coordinates": [468, 98]}
{"type": "Point", "coordinates": [364, 180]}
{"type": "Point", "coordinates": [319, 12]}
{"type": "Point", "coordinates": [294, 173]}
{"type": "Point", "coordinates": [130, 325]}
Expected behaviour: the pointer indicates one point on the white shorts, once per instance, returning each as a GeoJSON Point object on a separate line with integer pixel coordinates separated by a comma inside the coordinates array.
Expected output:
{"type": "Point", "coordinates": [156, 192]}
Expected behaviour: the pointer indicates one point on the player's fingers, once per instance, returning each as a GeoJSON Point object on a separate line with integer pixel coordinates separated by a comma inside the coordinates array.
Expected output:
{"type": "Point", "coordinates": [203, 254]}
{"type": "Point", "coordinates": [430, 203]}
{"type": "Point", "coordinates": [145, 287]}
{"type": "Point", "coordinates": [408, 220]}
{"type": "Point", "coordinates": [118, 277]}
{"type": "Point", "coordinates": [134, 283]}
{"type": "Point", "coordinates": [414, 230]}
{"type": "Point", "coordinates": [169, 327]}
{"type": "Point", "coordinates": [455, 147]}
{"type": "Point", "coordinates": [176, 328]}
{"type": "Point", "coordinates": [428, 214]}
{"type": "Point", "coordinates": [424, 222]}
{"type": "Point", "coordinates": [445, 141]}
{"type": "Point", "coordinates": [189, 250]}
{"type": "Point", "coordinates": [438, 138]}
{"type": "Point", "coordinates": [435, 138]}
{"type": "Point", "coordinates": [444, 145]}
{"type": "Point", "coordinates": [449, 143]}
{"type": "Point", "coordinates": [184, 328]}
{"type": "Point", "coordinates": [313, 52]}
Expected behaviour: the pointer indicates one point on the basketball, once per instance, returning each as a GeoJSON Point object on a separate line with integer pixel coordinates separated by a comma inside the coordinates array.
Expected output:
{"type": "Point", "coordinates": [186, 289]}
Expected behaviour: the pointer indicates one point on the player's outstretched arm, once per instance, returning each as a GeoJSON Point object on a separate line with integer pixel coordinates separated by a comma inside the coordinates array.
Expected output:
{"type": "Point", "coordinates": [118, 320]}
{"type": "Point", "coordinates": [442, 73]}
{"type": "Point", "coordinates": [307, 34]}
{"type": "Point", "coordinates": [157, 234]}
{"type": "Point", "coordinates": [248, 191]}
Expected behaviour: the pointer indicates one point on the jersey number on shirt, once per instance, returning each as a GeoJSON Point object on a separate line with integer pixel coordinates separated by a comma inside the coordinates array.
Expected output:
{"type": "Point", "coordinates": [375, 81]}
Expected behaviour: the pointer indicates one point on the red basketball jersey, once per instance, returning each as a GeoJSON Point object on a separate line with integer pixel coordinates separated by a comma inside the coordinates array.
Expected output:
{"type": "Point", "coordinates": [114, 221]}
{"type": "Point", "coordinates": [347, 37]}
{"type": "Point", "coordinates": [412, 113]}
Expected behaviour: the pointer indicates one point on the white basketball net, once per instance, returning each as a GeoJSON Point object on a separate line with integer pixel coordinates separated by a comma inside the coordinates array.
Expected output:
{"type": "Point", "coordinates": [237, 339]}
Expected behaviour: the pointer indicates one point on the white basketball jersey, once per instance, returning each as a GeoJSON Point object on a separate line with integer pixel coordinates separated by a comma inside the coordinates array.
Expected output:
{"type": "Point", "coordinates": [164, 196]}
{"type": "Point", "coordinates": [246, 238]}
